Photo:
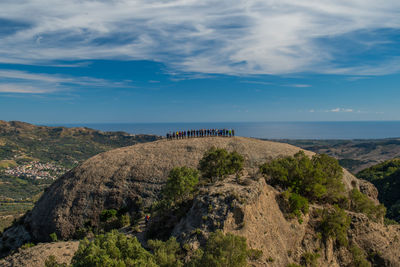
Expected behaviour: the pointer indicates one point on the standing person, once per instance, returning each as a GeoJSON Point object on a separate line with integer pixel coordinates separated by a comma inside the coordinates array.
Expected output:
{"type": "Point", "coordinates": [233, 132]}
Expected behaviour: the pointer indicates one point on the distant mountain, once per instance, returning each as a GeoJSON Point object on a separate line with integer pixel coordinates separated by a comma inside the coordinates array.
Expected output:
{"type": "Point", "coordinates": [20, 141]}
{"type": "Point", "coordinates": [354, 155]}
{"type": "Point", "coordinates": [386, 177]}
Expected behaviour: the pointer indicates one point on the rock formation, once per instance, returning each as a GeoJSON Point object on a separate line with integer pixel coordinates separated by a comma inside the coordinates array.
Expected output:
{"type": "Point", "coordinates": [248, 206]}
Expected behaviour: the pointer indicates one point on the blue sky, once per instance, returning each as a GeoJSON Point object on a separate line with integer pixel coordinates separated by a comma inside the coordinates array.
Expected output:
{"type": "Point", "coordinates": [199, 61]}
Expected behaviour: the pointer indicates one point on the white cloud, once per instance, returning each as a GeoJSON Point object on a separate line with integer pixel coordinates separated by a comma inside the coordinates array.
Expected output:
{"type": "Point", "coordinates": [341, 110]}
{"type": "Point", "coordinates": [13, 81]}
{"type": "Point", "coordinates": [230, 37]}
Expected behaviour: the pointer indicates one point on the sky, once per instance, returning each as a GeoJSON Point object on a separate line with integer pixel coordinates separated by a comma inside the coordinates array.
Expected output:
{"type": "Point", "coordinates": [102, 61]}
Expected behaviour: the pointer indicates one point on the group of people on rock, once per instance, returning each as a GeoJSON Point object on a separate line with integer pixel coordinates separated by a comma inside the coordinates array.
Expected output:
{"type": "Point", "coordinates": [201, 133]}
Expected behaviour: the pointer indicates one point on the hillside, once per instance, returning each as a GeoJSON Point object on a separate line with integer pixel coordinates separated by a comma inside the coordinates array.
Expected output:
{"type": "Point", "coordinates": [354, 155]}
{"type": "Point", "coordinates": [31, 157]}
{"type": "Point", "coordinates": [386, 177]}
{"type": "Point", "coordinates": [20, 141]}
{"type": "Point", "coordinates": [131, 178]}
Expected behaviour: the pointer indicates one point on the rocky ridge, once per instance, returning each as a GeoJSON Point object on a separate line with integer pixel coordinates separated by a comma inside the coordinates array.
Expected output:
{"type": "Point", "coordinates": [248, 207]}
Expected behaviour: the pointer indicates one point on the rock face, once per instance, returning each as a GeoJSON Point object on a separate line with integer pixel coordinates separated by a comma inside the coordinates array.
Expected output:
{"type": "Point", "coordinates": [122, 177]}
{"type": "Point", "coordinates": [116, 178]}
{"type": "Point", "coordinates": [251, 209]}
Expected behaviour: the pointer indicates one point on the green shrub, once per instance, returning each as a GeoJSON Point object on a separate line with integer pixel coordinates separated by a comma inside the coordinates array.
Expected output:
{"type": "Point", "coordinates": [385, 177]}
{"type": "Point", "coordinates": [335, 224]}
{"type": "Point", "coordinates": [255, 254]}
{"type": "Point", "coordinates": [298, 205]}
{"type": "Point", "coordinates": [53, 237]}
{"type": "Point", "coordinates": [361, 203]}
{"type": "Point", "coordinates": [310, 259]}
{"type": "Point", "coordinates": [359, 259]}
{"type": "Point", "coordinates": [107, 215]}
{"type": "Point", "coordinates": [388, 221]}
{"type": "Point", "coordinates": [217, 163]}
{"type": "Point", "coordinates": [318, 179]}
{"type": "Point", "coordinates": [112, 249]}
{"type": "Point", "coordinates": [52, 262]}
{"type": "Point", "coordinates": [124, 220]}
{"type": "Point", "coordinates": [167, 254]}
{"type": "Point", "coordinates": [27, 245]}
{"type": "Point", "coordinates": [181, 182]}
{"type": "Point", "coordinates": [224, 250]}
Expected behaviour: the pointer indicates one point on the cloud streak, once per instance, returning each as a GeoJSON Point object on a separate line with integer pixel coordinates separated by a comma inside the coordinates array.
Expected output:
{"type": "Point", "coordinates": [222, 37]}
{"type": "Point", "coordinates": [13, 81]}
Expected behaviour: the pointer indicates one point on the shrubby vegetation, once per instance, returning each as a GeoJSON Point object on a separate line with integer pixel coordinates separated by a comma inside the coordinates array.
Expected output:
{"type": "Point", "coordinates": [217, 163]}
{"type": "Point", "coordinates": [224, 250]}
{"type": "Point", "coordinates": [359, 259]}
{"type": "Point", "coordinates": [361, 203]}
{"type": "Point", "coordinates": [167, 254]}
{"type": "Point", "coordinates": [53, 237]}
{"type": "Point", "coordinates": [335, 224]}
{"type": "Point", "coordinates": [318, 179]}
{"type": "Point", "coordinates": [386, 176]}
{"type": "Point", "coordinates": [298, 205]}
{"type": "Point", "coordinates": [112, 249]}
{"type": "Point", "coordinates": [310, 259]}
{"type": "Point", "coordinates": [181, 183]}
{"type": "Point", "coordinates": [116, 249]}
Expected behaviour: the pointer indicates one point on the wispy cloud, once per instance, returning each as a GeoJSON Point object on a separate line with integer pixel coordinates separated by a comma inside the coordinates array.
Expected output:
{"type": "Point", "coordinates": [13, 81]}
{"type": "Point", "coordinates": [341, 110]}
{"type": "Point", "coordinates": [244, 37]}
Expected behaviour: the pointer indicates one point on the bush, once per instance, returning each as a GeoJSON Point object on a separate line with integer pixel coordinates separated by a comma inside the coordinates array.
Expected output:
{"type": "Point", "coordinates": [124, 220]}
{"type": "Point", "coordinates": [310, 259]}
{"type": "Point", "coordinates": [361, 203]}
{"type": "Point", "coordinates": [218, 163]}
{"type": "Point", "coordinates": [107, 215]}
{"type": "Point", "coordinates": [298, 205]}
{"type": "Point", "coordinates": [167, 254]}
{"type": "Point", "coordinates": [181, 182]}
{"type": "Point", "coordinates": [112, 249]}
{"type": "Point", "coordinates": [27, 245]}
{"type": "Point", "coordinates": [359, 259]}
{"type": "Point", "coordinates": [53, 237]}
{"type": "Point", "coordinates": [224, 250]}
{"type": "Point", "coordinates": [335, 224]}
{"type": "Point", "coordinates": [318, 179]}
{"type": "Point", "coordinates": [52, 262]}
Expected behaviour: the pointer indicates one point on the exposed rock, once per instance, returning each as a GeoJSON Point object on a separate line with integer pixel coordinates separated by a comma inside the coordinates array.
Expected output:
{"type": "Point", "coordinates": [247, 207]}
{"type": "Point", "coordinates": [37, 255]}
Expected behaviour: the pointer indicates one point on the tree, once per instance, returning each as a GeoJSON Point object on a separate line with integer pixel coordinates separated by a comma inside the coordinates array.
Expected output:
{"type": "Point", "coordinates": [181, 182]}
{"type": "Point", "coordinates": [167, 254]}
{"type": "Point", "coordinates": [319, 179]}
{"type": "Point", "coordinates": [112, 249]}
{"type": "Point", "coordinates": [217, 163]}
{"type": "Point", "coordinates": [335, 224]}
{"type": "Point", "coordinates": [224, 251]}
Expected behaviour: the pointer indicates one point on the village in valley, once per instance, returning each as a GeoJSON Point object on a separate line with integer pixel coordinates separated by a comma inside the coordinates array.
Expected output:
{"type": "Point", "coordinates": [36, 170]}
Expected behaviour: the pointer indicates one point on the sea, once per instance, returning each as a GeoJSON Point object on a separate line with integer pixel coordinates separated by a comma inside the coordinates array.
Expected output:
{"type": "Point", "coordinates": [265, 130]}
